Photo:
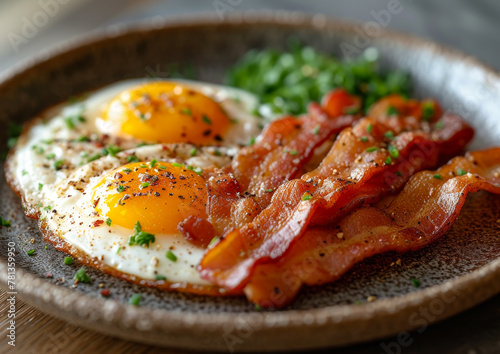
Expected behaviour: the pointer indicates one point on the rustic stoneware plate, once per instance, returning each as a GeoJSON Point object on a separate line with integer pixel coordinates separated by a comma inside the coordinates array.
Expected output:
{"type": "Point", "coordinates": [457, 272]}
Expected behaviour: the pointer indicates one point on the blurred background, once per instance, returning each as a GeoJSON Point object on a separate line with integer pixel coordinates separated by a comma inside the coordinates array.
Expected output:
{"type": "Point", "coordinates": [29, 27]}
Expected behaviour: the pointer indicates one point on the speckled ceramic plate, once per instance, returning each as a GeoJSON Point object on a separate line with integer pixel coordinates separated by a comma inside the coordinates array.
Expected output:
{"type": "Point", "coordinates": [457, 272]}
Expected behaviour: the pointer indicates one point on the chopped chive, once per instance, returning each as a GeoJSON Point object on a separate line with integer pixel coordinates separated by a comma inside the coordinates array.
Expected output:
{"type": "Point", "coordinates": [120, 188]}
{"type": "Point", "coordinates": [118, 250]}
{"type": "Point", "coordinates": [372, 149]}
{"type": "Point", "coordinates": [47, 208]}
{"type": "Point", "coordinates": [269, 190]}
{"type": "Point", "coordinates": [214, 240]}
{"type": "Point", "coordinates": [40, 186]}
{"type": "Point", "coordinates": [170, 255]}
{"type": "Point", "coordinates": [252, 141]}
{"type": "Point", "coordinates": [153, 163]}
{"type": "Point", "coordinates": [68, 260]}
{"type": "Point", "coordinates": [82, 139]}
{"type": "Point", "coordinates": [439, 125]}
{"type": "Point", "coordinates": [316, 130]}
{"type": "Point", "coordinates": [132, 158]}
{"type": "Point", "coordinates": [388, 161]}
{"type": "Point", "coordinates": [145, 184]}
{"type": "Point", "coordinates": [141, 237]}
{"type": "Point", "coordinates": [50, 156]}
{"type": "Point", "coordinates": [389, 134]}
{"type": "Point", "coordinates": [416, 282]}
{"type": "Point", "coordinates": [427, 111]}
{"type": "Point", "coordinates": [24, 172]}
{"type": "Point", "coordinates": [294, 152]}
{"type": "Point", "coordinates": [81, 276]}
{"type": "Point", "coordinates": [206, 120]}
{"type": "Point", "coordinates": [31, 252]}
{"type": "Point", "coordinates": [369, 128]}
{"type": "Point", "coordinates": [108, 221]}
{"type": "Point", "coordinates": [438, 176]}
{"type": "Point", "coordinates": [257, 307]}
{"type": "Point", "coordinates": [461, 172]}
{"type": "Point", "coordinates": [393, 151]}
{"type": "Point", "coordinates": [163, 167]}
{"type": "Point", "coordinates": [69, 122]}
{"type": "Point", "coordinates": [391, 111]}
{"type": "Point", "coordinates": [160, 277]}
{"type": "Point", "coordinates": [143, 166]}
{"type": "Point", "coordinates": [176, 164]}
{"type": "Point", "coordinates": [307, 196]}
{"type": "Point", "coordinates": [364, 139]}
{"type": "Point", "coordinates": [217, 153]}
{"type": "Point", "coordinates": [399, 173]}
{"type": "Point", "coordinates": [187, 111]}
{"type": "Point", "coordinates": [193, 152]}
{"type": "Point", "coordinates": [4, 222]}
{"type": "Point", "coordinates": [135, 299]}
{"type": "Point", "coordinates": [127, 170]}
{"type": "Point", "coordinates": [111, 150]}
{"type": "Point", "coordinates": [94, 157]}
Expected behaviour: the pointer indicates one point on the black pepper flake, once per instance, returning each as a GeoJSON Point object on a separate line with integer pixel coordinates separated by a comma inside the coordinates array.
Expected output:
{"type": "Point", "coordinates": [181, 197]}
{"type": "Point", "coordinates": [207, 132]}
{"type": "Point", "coordinates": [157, 194]}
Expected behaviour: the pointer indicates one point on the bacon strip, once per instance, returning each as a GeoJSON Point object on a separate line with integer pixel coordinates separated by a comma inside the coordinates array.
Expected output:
{"type": "Point", "coordinates": [237, 195]}
{"type": "Point", "coordinates": [287, 143]}
{"type": "Point", "coordinates": [353, 173]}
{"type": "Point", "coordinates": [424, 211]}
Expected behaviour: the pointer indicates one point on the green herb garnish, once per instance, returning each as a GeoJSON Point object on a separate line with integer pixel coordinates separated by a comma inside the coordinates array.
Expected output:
{"type": "Point", "coordinates": [135, 300]}
{"type": "Point", "coordinates": [170, 255]}
{"type": "Point", "coordinates": [141, 237]}
{"type": "Point", "coordinates": [81, 276]}
{"type": "Point", "coordinates": [68, 260]}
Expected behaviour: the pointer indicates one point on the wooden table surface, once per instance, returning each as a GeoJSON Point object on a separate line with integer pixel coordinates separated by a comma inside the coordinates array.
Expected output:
{"type": "Point", "coordinates": [470, 26]}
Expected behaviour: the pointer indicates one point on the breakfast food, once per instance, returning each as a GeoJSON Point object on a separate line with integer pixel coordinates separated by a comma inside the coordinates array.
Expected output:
{"type": "Point", "coordinates": [195, 187]}
{"type": "Point", "coordinates": [123, 116]}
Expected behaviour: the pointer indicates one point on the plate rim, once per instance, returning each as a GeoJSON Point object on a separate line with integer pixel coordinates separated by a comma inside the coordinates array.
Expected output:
{"type": "Point", "coordinates": [45, 295]}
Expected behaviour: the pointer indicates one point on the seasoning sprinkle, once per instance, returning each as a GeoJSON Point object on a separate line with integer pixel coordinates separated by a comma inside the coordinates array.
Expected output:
{"type": "Point", "coordinates": [68, 260]}
{"type": "Point", "coordinates": [438, 176]}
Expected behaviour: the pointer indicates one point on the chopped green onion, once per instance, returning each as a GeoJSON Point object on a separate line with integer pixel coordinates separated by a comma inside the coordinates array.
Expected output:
{"type": "Point", "coordinates": [153, 163]}
{"type": "Point", "coordinates": [391, 111]}
{"type": "Point", "coordinates": [170, 255]}
{"type": "Point", "coordinates": [108, 221]}
{"type": "Point", "coordinates": [68, 260]}
{"type": "Point", "coordinates": [193, 152]}
{"type": "Point", "coordinates": [416, 282]}
{"type": "Point", "coordinates": [31, 252]}
{"type": "Point", "coordinates": [437, 176]}
{"type": "Point", "coordinates": [135, 300]}
{"type": "Point", "coordinates": [372, 149]}
{"type": "Point", "coordinates": [40, 186]}
{"type": "Point", "coordinates": [461, 172]}
{"type": "Point", "coordinates": [369, 128]}
{"type": "Point", "coordinates": [316, 130]}
{"type": "Point", "coordinates": [121, 188]}
{"type": "Point", "coordinates": [307, 196]}
{"type": "Point", "coordinates": [160, 277]}
{"type": "Point", "coordinates": [141, 237]}
{"type": "Point", "coordinates": [364, 139]}
{"type": "Point", "coordinates": [393, 151]}
{"type": "Point", "coordinates": [206, 120]}
{"type": "Point", "coordinates": [81, 276]}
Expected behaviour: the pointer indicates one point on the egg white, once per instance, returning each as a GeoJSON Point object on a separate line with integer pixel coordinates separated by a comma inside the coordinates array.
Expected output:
{"type": "Point", "coordinates": [68, 213]}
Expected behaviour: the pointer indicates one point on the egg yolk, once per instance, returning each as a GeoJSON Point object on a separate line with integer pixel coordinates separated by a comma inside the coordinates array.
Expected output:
{"type": "Point", "coordinates": [167, 112]}
{"type": "Point", "coordinates": [157, 194]}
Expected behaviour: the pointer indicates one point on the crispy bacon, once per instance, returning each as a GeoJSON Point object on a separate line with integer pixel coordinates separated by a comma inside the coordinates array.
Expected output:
{"type": "Point", "coordinates": [287, 143]}
{"type": "Point", "coordinates": [237, 195]}
{"type": "Point", "coordinates": [424, 211]}
{"type": "Point", "coordinates": [357, 170]}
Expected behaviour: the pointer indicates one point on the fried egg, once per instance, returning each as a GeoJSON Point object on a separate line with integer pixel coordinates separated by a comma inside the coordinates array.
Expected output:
{"type": "Point", "coordinates": [123, 116]}
{"type": "Point", "coordinates": [124, 215]}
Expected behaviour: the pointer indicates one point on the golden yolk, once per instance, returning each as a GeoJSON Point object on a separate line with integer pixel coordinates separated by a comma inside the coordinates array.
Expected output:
{"type": "Point", "coordinates": [167, 112]}
{"type": "Point", "coordinates": [159, 197]}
